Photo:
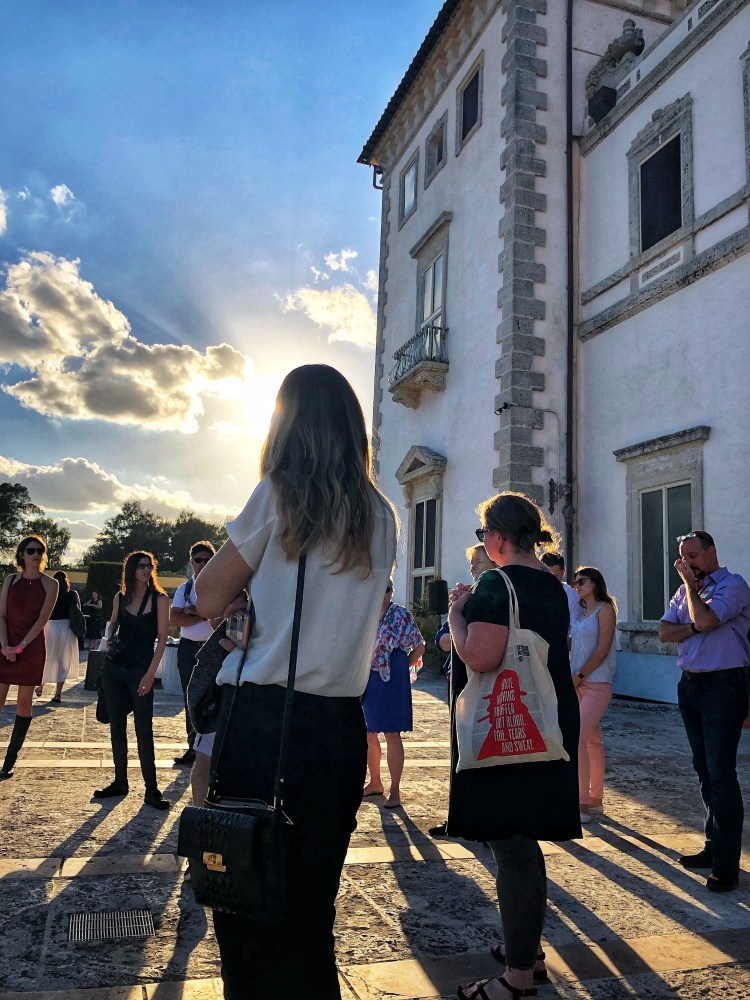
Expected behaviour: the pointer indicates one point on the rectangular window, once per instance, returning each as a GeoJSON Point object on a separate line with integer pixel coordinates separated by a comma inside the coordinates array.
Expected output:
{"type": "Point", "coordinates": [425, 544]}
{"type": "Point", "coordinates": [432, 293]}
{"type": "Point", "coordinates": [661, 193]}
{"type": "Point", "coordinates": [665, 514]}
{"type": "Point", "coordinates": [408, 189]}
{"type": "Point", "coordinates": [436, 149]}
{"type": "Point", "coordinates": [469, 104]}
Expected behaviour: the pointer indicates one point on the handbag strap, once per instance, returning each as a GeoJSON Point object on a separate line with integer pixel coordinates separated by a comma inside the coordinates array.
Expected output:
{"type": "Point", "coordinates": [513, 616]}
{"type": "Point", "coordinates": [278, 797]}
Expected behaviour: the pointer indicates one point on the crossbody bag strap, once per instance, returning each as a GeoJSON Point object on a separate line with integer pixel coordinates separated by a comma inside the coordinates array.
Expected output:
{"type": "Point", "coordinates": [286, 722]}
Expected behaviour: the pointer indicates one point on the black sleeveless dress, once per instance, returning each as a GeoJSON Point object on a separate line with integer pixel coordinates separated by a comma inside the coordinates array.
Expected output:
{"type": "Point", "coordinates": [138, 633]}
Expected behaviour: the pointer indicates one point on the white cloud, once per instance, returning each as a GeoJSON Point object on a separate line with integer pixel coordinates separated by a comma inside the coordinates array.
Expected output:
{"type": "Point", "coordinates": [344, 310]}
{"type": "Point", "coordinates": [79, 530]}
{"type": "Point", "coordinates": [24, 194]}
{"type": "Point", "coordinates": [319, 275]}
{"type": "Point", "coordinates": [80, 486]}
{"type": "Point", "coordinates": [371, 282]}
{"type": "Point", "coordinates": [340, 261]}
{"type": "Point", "coordinates": [3, 211]}
{"type": "Point", "coordinates": [61, 195]}
{"type": "Point", "coordinates": [87, 365]}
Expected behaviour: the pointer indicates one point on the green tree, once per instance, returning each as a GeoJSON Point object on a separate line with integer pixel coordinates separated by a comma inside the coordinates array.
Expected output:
{"type": "Point", "coordinates": [16, 509]}
{"type": "Point", "coordinates": [187, 529]}
{"type": "Point", "coordinates": [57, 538]}
{"type": "Point", "coordinates": [132, 528]}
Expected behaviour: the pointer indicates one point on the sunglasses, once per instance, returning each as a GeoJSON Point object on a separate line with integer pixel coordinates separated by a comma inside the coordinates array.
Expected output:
{"type": "Point", "coordinates": [481, 532]}
{"type": "Point", "coordinates": [201, 559]}
{"type": "Point", "coordinates": [702, 535]}
{"type": "Point", "coordinates": [145, 566]}
{"type": "Point", "coordinates": [389, 590]}
{"type": "Point", "coordinates": [580, 581]}
{"type": "Point", "coordinates": [35, 551]}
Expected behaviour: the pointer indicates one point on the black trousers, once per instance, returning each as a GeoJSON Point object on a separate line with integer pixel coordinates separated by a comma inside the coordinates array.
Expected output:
{"type": "Point", "coordinates": [187, 650]}
{"type": "Point", "coordinates": [121, 691]}
{"type": "Point", "coordinates": [324, 777]}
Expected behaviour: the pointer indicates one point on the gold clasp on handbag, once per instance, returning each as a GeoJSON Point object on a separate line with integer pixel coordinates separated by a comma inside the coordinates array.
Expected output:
{"type": "Point", "coordinates": [213, 862]}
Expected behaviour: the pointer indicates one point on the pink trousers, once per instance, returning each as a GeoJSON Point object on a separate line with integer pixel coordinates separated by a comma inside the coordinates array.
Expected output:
{"type": "Point", "coordinates": [593, 699]}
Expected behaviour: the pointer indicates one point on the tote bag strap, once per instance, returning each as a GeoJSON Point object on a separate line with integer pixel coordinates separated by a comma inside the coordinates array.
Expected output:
{"type": "Point", "coordinates": [513, 616]}
{"type": "Point", "coordinates": [287, 719]}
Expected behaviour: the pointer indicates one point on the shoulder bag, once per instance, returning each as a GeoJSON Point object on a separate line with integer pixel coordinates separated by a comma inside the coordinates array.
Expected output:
{"type": "Point", "coordinates": [509, 715]}
{"type": "Point", "coordinates": [238, 848]}
{"type": "Point", "coordinates": [76, 617]}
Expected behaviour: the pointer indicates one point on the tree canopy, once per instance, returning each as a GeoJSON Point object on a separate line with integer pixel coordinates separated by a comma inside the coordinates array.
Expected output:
{"type": "Point", "coordinates": [16, 510]}
{"type": "Point", "coordinates": [57, 538]}
{"type": "Point", "coordinates": [134, 527]}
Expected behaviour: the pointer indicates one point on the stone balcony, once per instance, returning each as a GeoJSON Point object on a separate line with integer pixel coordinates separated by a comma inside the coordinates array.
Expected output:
{"type": "Point", "coordinates": [422, 363]}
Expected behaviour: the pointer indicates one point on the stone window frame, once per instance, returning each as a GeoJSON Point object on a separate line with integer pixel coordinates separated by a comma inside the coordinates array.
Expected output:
{"type": "Point", "coordinates": [431, 171]}
{"type": "Point", "coordinates": [425, 252]}
{"type": "Point", "coordinates": [665, 461]}
{"type": "Point", "coordinates": [665, 124]}
{"type": "Point", "coordinates": [420, 475]}
{"type": "Point", "coordinates": [413, 161]}
{"type": "Point", "coordinates": [476, 67]}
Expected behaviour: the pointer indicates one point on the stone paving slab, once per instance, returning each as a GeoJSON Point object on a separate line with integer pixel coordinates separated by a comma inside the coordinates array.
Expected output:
{"type": "Point", "coordinates": [625, 920]}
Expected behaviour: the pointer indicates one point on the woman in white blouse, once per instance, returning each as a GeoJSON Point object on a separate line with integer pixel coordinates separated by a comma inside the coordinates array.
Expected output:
{"type": "Point", "coordinates": [316, 496]}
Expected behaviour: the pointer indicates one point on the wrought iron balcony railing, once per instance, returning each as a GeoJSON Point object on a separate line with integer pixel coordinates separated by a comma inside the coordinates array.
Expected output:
{"type": "Point", "coordinates": [427, 345]}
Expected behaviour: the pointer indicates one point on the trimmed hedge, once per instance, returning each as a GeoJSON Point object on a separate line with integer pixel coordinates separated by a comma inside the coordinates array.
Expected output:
{"type": "Point", "coordinates": [104, 578]}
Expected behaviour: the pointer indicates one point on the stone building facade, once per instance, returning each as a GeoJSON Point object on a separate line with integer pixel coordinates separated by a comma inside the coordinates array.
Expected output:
{"type": "Point", "coordinates": [564, 288]}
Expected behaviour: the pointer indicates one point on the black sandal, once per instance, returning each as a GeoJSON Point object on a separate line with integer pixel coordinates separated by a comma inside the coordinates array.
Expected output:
{"type": "Point", "coordinates": [481, 994]}
{"type": "Point", "coordinates": [540, 975]}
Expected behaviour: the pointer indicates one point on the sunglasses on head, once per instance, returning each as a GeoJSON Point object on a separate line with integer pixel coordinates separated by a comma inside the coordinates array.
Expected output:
{"type": "Point", "coordinates": [702, 535]}
{"type": "Point", "coordinates": [33, 551]}
{"type": "Point", "coordinates": [201, 559]}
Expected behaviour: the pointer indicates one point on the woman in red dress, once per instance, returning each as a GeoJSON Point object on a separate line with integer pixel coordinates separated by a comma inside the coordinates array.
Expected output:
{"type": "Point", "coordinates": [26, 602]}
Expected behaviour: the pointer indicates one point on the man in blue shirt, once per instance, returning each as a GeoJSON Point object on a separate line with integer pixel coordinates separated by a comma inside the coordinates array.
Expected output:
{"type": "Point", "coordinates": [709, 619]}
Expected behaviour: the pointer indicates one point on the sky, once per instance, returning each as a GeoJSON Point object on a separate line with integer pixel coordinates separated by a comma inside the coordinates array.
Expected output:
{"type": "Point", "coordinates": [182, 221]}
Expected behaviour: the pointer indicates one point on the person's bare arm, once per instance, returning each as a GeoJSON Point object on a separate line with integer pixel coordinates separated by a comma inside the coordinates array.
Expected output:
{"type": "Point", "coordinates": [704, 618]}
{"type": "Point", "coordinates": [480, 645]}
{"type": "Point", "coordinates": [674, 632]}
{"type": "Point", "coordinates": [416, 654]}
{"type": "Point", "coordinates": [6, 650]}
{"type": "Point", "coordinates": [162, 627]}
{"type": "Point", "coordinates": [221, 580]}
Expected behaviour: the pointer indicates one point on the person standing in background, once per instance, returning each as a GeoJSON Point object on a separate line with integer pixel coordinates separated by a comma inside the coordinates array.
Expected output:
{"type": "Point", "coordinates": [194, 631]}
{"type": "Point", "coordinates": [62, 643]}
{"type": "Point", "coordinates": [556, 565]}
{"type": "Point", "coordinates": [26, 602]}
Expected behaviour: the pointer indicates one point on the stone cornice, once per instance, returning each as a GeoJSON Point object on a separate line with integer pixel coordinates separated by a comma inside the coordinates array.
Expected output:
{"type": "Point", "coordinates": [689, 436]}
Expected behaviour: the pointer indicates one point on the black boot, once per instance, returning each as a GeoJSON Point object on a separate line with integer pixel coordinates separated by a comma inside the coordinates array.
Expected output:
{"type": "Point", "coordinates": [20, 728]}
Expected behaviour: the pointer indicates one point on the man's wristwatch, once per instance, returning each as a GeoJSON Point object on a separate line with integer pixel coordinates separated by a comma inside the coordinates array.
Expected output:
{"type": "Point", "coordinates": [693, 629]}
{"type": "Point", "coordinates": [581, 676]}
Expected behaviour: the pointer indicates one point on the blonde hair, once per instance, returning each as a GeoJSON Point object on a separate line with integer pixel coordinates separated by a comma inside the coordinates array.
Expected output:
{"type": "Point", "coordinates": [318, 459]}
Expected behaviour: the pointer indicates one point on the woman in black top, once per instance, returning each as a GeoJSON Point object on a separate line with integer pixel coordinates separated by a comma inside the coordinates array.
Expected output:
{"type": "Point", "coordinates": [92, 609]}
{"type": "Point", "coordinates": [140, 613]}
{"type": "Point", "coordinates": [62, 644]}
{"type": "Point", "coordinates": [513, 806]}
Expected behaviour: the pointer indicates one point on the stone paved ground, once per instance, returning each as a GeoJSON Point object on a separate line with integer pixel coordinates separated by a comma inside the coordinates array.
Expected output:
{"type": "Point", "coordinates": [415, 916]}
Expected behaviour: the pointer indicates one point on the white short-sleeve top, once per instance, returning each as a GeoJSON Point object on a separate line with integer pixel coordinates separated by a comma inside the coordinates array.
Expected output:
{"type": "Point", "coordinates": [340, 611]}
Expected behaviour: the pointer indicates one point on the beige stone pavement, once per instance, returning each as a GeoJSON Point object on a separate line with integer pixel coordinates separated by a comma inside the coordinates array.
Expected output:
{"type": "Point", "coordinates": [415, 916]}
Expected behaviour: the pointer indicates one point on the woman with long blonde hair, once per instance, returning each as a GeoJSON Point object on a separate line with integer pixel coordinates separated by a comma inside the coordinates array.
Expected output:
{"type": "Point", "coordinates": [140, 619]}
{"type": "Point", "coordinates": [316, 496]}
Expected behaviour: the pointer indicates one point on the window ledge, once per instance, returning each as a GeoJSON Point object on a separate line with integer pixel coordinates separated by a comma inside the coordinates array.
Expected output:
{"type": "Point", "coordinates": [431, 375]}
{"type": "Point", "coordinates": [699, 433]}
{"type": "Point", "coordinates": [643, 637]}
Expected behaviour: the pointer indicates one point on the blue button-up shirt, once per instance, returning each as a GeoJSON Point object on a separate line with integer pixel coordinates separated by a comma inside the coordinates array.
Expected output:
{"type": "Point", "coordinates": [727, 645]}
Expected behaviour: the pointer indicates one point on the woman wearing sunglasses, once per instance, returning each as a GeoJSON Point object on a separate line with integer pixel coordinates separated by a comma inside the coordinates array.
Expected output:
{"type": "Point", "coordinates": [592, 663]}
{"type": "Point", "coordinates": [26, 602]}
{"type": "Point", "coordinates": [140, 616]}
{"type": "Point", "coordinates": [514, 806]}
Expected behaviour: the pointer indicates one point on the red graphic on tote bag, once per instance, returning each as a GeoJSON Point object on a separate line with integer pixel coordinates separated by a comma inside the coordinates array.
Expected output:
{"type": "Point", "coordinates": [512, 729]}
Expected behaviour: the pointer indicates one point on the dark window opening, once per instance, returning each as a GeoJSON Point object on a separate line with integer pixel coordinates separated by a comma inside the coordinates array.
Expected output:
{"type": "Point", "coordinates": [666, 514]}
{"type": "Point", "coordinates": [470, 105]}
{"type": "Point", "coordinates": [661, 194]}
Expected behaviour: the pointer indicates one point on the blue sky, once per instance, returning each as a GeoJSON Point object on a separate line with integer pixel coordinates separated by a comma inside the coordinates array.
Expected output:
{"type": "Point", "coordinates": [182, 221]}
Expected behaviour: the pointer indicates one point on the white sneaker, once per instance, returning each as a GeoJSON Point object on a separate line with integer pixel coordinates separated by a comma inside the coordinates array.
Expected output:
{"type": "Point", "coordinates": [585, 817]}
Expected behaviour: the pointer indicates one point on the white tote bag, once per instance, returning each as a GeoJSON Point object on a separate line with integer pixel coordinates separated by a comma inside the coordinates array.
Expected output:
{"type": "Point", "coordinates": [509, 715]}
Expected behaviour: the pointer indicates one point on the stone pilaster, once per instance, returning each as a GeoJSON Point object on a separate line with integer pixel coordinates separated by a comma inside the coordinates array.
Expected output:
{"type": "Point", "coordinates": [520, 297]}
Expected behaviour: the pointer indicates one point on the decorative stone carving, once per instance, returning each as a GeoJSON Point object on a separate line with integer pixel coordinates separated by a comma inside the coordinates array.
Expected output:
{"type": "Point", "coordinates": [628, 47]}
{"type": "Point", "coordinates": [421, 467]}
{"type": "Point", "coordinates": [425, 375]}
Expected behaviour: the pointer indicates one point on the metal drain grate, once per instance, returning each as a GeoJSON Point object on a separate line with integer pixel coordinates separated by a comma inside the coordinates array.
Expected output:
{"type": "Point", "coordinates": [111, 924]}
